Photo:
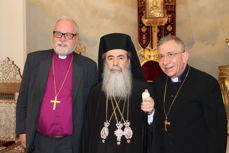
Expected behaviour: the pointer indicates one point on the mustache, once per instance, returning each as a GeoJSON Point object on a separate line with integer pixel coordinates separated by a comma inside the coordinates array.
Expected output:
{"type": "Point", "coordinates": [116, 68]}
{"type": "Point", "coordinates": [62, 43]}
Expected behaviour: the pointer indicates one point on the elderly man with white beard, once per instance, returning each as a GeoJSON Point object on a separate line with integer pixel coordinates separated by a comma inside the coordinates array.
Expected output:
{"type": "Point", "coordinates": [53, 94]}
{"type": "Point", "coordinates": [116, 114]}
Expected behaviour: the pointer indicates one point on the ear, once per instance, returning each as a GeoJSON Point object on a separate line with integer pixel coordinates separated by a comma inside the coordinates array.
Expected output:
{"type": "Point", "coordinates": [78, 38]}
{"type": "Point", "coordinates": [129, 60]}
{"type": "Point", "coordinates": [185, 56]}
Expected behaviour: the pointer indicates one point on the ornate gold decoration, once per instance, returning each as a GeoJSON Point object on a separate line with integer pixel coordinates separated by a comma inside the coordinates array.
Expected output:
{"type": "Point", "coordinates": [144, 38]}
{"type": "Point", "coordinates": [154, 21]}
{"type": "Point", "coordinates": [147, 54]}
{"type": "Point", "coordinates": [169, 28]}
{"type": "Point", "coordinates": [224, 84]}
{"type": "Point", "coordinates": [156, 18]}
{"type": "Point", "coordinates": [155, 8]}
{"type": "Point", "coordinates": [150, 53]}
{"type": "Point", "coordinates": [168, 9]}
{"type": "Point", "coordinates": [143, 28]}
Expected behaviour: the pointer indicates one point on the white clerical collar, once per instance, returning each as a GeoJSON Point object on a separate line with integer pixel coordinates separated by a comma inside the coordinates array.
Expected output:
{"type": "Point", "coordinates": [175, 79]}
{"type": "Point", "coordinates": [180, 77]}
{"type": "Point", "coordinates": [62, 56]}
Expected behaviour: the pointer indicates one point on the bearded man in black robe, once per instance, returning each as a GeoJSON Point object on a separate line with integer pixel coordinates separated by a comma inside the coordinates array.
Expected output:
{"type": "Point", "coordinates": [116, 116]}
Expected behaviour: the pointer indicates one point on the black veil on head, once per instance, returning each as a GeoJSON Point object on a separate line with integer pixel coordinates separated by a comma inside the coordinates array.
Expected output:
{"type": "Point", "coordinates": [119, 41]}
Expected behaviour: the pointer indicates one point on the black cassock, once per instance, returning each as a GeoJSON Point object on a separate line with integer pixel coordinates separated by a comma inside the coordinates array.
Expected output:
{"type": "Point", "coordinates": [197, 117]}
{"type": "Point", "coordinates": [96, 116]}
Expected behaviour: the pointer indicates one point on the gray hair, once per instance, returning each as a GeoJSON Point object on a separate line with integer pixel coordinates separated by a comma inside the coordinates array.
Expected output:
{"type": "Point", "coordinates": [68, 19]}
{"type": "Point", "coordinates": [172, 37]}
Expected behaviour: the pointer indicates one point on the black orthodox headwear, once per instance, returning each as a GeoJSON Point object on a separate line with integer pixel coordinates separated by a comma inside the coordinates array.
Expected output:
{"type": "Point", "coordinates": [119, 41]}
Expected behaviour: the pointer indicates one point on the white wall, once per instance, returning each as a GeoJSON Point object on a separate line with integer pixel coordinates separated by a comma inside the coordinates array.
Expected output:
{"type": "Point", "coordinates": [12, 31]}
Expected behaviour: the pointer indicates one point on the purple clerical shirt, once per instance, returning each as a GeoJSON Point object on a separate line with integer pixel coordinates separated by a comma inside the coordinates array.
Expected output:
{"type": "Point", "coordinates": [57, 122]}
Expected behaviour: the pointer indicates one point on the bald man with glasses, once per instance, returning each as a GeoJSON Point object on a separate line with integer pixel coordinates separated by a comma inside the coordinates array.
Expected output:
{"type": "Point", "coordinates": [53, 94]}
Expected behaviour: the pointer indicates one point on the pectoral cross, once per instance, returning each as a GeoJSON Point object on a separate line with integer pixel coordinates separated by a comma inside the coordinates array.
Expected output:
{"type": "Point", "coordinates": [55, 102]}
{"type": "Point", "coordinates": [166, 122]}
{"type": "Point", "coordinates": [119, 132]}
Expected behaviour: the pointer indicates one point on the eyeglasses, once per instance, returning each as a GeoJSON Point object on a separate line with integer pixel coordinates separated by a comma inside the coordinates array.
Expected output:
{"type": "Point", "coordinates": [68, 36]}
{"type": "Point", "coordinates": [169, 55]}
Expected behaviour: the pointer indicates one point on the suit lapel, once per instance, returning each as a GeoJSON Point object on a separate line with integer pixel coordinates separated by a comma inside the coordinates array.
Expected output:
{"type": "Point", "coordinates": [44, 69]}
{"type": "Point", "coordinates": [77, 74]}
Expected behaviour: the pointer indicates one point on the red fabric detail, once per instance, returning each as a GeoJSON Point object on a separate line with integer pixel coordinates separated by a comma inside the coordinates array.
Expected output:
{"type": "Point", "coordinates": [151, 70]}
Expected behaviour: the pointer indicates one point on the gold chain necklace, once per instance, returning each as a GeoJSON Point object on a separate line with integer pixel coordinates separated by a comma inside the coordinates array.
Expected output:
{"type": "Point", "coordinates": [166, 122]}
{"type": "Point", "coordinates": [55, 101]}
{"type": "Point", "coordinates": [117, 107]}
{"type": "Point", "coordinates": [114, 109]}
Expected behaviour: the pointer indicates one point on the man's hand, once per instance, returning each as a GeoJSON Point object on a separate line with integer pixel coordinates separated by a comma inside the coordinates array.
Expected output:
{"type": "Point", "coordinates": [148, 104]}
{"type": "Point", "coordinates": [22, 138]}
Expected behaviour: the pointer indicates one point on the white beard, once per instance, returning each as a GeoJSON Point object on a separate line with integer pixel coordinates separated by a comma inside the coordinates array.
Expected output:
{"type": "Point", "coordinates": [117, 84]}
{"type": "Point", "coordinates": [62, 51]}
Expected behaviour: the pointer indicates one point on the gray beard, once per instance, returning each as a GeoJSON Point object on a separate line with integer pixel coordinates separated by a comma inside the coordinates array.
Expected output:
{"type": "Point", "coordinates": [117, 84]}
{"type": "Point", "coordinates": [62, 52]}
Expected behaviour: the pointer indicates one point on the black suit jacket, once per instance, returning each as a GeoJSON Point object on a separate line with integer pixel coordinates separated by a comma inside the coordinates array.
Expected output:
{"type": "Point", "coordinates": [32, 90]}
{"type": "Point", "coordinates": [198, 119]}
